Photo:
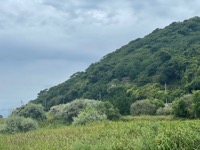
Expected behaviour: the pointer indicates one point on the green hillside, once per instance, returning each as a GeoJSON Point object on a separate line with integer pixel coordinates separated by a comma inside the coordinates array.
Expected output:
{"type": "Point", "coordinates": [163, 65]}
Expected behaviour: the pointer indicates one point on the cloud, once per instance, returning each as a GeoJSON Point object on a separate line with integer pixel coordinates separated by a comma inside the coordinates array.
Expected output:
{"type": "Point", "coordinates": [43, 42]}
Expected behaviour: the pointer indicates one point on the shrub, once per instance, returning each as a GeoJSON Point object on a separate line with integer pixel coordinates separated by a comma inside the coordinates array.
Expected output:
{"type": "Point", "coordinates": [70, 110]}
{"type": "Point", "coordinates": [16, 124]}
{"type": "Point", "coordinates": [157, 102]}
{"type": "Point", "coordinates": [88, 115]}
{"type": "Point", "coordinates": [55, 112]}
{"type": "Point", "coordinates": [183, 107]}
{"type": "Point", "coordinates": [1, 116]}
{"type": "Point", "coordinates": [187, 106]}
{"type": "Point", "coordinates": [30, 110]}
{"type": "Point", "coordinates": [108, 109]}
{"type": "Point", "coordinates": [196, 103]}
{"type": "Point", "coordinates": [167, 110]}
{"type": "Point", "coordinates": [143, 107]}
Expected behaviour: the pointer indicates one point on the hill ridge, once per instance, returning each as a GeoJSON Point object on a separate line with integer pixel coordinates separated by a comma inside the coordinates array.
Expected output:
{"type": "Point", "coordinates": [138, 70]}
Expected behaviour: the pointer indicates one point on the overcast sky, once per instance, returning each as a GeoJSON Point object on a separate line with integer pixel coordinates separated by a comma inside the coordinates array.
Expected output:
{"type": "Point", "coordinates": [43, 42]}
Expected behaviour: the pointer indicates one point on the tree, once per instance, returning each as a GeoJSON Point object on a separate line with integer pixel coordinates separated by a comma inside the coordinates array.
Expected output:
{"type": "Point", "coordinates": [183, 107]}
{"type": "Point", "coordinates": [120, 99]}
{"type": "Point", "coordinates": [164, 55]}
{"type": "Point", "coordinates": [16, 124]}
{"type": "Point", "coordinates": [167, 110]}
{"type": "Point", "coordinates": [169, 55]}
{"type": "Point", "coordinates": [72, 110]}
{"type": "Point", "coordinates": [88, 115]}
{"type": "Point", "coordinates": [196, 103]}
{"type": "Point", "coordinates": [108, 109]}
{"type": "Point", "coordinates": [157, 102]}
{"type": "Point", "coordinates": [1, 116]}
{"type": "Point", "coordinates": [30, 110]}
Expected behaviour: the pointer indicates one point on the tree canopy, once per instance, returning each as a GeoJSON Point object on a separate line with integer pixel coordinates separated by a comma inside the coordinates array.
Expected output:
{"type": "Point", "coordinates": [138, 70]}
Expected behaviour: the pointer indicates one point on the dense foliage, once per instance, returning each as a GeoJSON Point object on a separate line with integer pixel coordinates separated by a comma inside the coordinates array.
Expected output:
{"type": "Point", "coordinates": [30, 110]}
{"type": "Point", "coordinates": [88, 115]}
{"type": "Point", "coordinates": [143, 107]}
{"type": "Point", "coordinates": [188, 106]}
{"type": "Point", "coordinates": [167, 110]}
{"type": "Point", "coordinates": [81, 110]}
{"type": "Point", "coordinates": [182, 107]}
{"type": "Point", "coordinates": [163, 65]}
{"type": "Point", "coordinates": [16, 124]}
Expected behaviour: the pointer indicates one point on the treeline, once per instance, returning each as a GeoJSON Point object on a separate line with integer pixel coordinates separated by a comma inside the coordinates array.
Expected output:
{"type": "Point", "coordinates": [187, 106]}
{"type": "Point", "coordinates": [83, 111]}
{"type": "Point", "coordinates": [78, 112]}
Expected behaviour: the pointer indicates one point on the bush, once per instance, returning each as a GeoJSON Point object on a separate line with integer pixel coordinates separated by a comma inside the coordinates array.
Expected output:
{"type": "Point", "coordinates": [196, 103]}
{"type": "Point", "coordinates": [157, 102]}
{"type": "Point", "coordinates": [30, 110]}
{"type": "Point", "coordinates": [143, 107]}
{"type": "Point", "coordinates": [187, 106]}
{"type": "Point", "coordinates": [74, 108]}
{"type": "Point", "coordinates": [16, 124]}
{"type": "Point", "coordinates": [88, 115]}
{"type": "Point", "coordinates": [183, 107]}
{"type": "Point", "coordinates": [1, 116]}
{"type": "Point", "coordinates": [167, 110]}
{"type": "Point", "coordinates": [55, 112]}
{"type": "Point", "coordinates": [108, 109]}
{"type": "Point", "coordinates": [70, 110]}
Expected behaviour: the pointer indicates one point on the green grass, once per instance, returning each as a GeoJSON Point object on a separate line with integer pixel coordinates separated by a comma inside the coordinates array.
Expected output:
{"type": "Point", "coordinates": [146, 118]}
{"type": "Point", "coordinates": [2, 121]}
{"type": "Point", "coordinates": [146, 134]}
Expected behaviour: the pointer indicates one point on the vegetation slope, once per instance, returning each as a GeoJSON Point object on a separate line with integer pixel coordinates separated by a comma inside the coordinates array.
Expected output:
{"type": "Point", "coordinates": [163, 65]}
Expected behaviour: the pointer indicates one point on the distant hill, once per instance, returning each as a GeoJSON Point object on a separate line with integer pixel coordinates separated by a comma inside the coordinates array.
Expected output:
{"type": "Point", "coordinates": [163, 65]}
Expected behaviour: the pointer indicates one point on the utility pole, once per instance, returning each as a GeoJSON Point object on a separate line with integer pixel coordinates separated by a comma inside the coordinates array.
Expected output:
{"type": "Point", "coordinates": [22, 103]}
{"type": "Point", "coordinates": [166, 92]}
{"type": "Point", "coordinates": [63, 100]}
{"type": "Point", "coordinates": [100, 96]}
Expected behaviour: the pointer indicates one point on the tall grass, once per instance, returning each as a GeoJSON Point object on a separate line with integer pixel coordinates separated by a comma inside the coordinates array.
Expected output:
{"type": "Point", "coordinates": [132, 135]}
{"type": "Point", "coordinates": [2, 121]}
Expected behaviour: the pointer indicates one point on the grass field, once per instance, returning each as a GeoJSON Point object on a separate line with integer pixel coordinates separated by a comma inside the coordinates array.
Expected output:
{"type": "Point", "coordinates": [139, 133]}
{"type": "Point", "coordinates": [1, 123]}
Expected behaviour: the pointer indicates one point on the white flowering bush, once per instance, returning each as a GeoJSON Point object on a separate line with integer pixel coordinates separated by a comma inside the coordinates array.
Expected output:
{"type": "Point", "coordinates": [16, 124]}
{"type": "Point", "coordinates": [88, 115]}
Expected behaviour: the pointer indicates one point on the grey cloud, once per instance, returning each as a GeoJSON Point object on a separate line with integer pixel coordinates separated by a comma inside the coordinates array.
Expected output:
{"type": "Point", "coordinates": [31, 53]}
{"type": "Point", "coordinates": [165, 9]}
{"type": "Point", "coordinates": [43, 42]}
{"type": "Point", "coordinates": [74, 4]}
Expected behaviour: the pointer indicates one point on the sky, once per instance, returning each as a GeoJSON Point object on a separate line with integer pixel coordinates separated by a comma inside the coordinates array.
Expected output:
{"type": "Point", "coordinates": [44, 42]}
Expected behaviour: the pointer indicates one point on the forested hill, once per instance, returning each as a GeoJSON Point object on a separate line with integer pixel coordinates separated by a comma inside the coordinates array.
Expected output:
{"type": "Point", "coordinates": [163, 65]}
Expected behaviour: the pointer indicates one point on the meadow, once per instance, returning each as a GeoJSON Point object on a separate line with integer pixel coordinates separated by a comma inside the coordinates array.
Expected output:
{"type": "Point", "coordinates": [131, 133]}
